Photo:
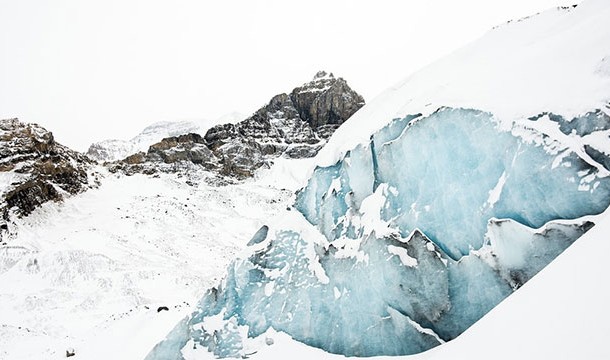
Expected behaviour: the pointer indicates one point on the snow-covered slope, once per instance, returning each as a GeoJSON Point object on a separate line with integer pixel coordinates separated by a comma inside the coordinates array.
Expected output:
{"type": "Point", "coordinates": [111, 150]}
{"type": "Point", "coordinates": [91, 272]}
{"type": "Point", "coordinates": [432, 204]}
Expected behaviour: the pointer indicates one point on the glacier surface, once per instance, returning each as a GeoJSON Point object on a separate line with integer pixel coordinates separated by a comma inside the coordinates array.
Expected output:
{"type": "Point", "coordinates": [406, 241]}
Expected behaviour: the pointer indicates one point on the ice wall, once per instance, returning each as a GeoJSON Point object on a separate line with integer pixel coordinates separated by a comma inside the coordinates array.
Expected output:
{"type": "Point", "coordinates": [404, 243]}
{"type": "Point", "coordinates": [449, 174]}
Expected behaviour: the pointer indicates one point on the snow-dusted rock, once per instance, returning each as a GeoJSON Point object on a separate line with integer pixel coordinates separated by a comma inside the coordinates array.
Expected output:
{"type": "Point", "coordinates": [294, 125]}
{"type": "Point", "coordinates": [34, 168]}
{"type": "Point", "coordinates": [112, 150]}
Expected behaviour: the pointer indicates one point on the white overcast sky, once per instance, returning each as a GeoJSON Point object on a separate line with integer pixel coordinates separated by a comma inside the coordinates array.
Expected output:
{"type": "Point", "coordinates": [92, 70]}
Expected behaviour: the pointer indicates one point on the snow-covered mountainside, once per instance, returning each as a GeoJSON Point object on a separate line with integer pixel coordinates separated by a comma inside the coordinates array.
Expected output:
{"type": "Point", "coordinates": [292, 126]}
{"type": "Point", "coordinates": [113, 150]}
{"type": "Point", "coordinates": [91, 273]}
{"type": "Point", "coordinates": [430, 205]}
{"type": "Point", "coordinates": [80, 272]}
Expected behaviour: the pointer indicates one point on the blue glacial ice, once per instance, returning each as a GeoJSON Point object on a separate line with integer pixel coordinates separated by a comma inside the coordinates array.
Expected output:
{"type": "Point", "coordinates": [582, 125]}
{"type": "Point", "coordinates": [405, 242]}
{"type": "Point", "coordinates": [460, 154]}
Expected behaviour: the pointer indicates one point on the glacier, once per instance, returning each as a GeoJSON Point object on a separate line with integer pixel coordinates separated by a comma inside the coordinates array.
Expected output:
{"type": "Point", "coordinates": [409, 239]}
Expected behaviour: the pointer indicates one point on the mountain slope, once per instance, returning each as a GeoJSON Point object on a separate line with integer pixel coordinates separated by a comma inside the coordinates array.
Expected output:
{"type": "Point", "coordinates": [78, 274]}
{"type": "Point", "coordinates": [291, 126]}
{"type": "Point", "coordinates": [294, 125]}
{"type": "Point", "coordinates": [91, 272]}
{"type": "Point", "coordinates": [113, 150]}
{"type": "Point", "coordinates": [34, 169]}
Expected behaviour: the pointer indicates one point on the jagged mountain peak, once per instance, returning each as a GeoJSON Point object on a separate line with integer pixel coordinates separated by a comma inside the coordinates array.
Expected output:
{"type": "Point", "coordinates": [294, 125]}
{"type": "Point", "coordinates": [321, 82]}
{"type": "Point", "coordinates": [323, 75]}
{"type": "Point", "coordinates": [326, 100]}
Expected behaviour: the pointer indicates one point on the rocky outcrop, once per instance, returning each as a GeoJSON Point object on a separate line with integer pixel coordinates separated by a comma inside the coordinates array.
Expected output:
{"type": "Point", "coordinates": [326, 101]}
{"type": "Point", "coordinates": [294, 125]}
{"type": "Point", "coordinates": [183, 155]}
{"type": "Point", "coordinates": [34, 169]}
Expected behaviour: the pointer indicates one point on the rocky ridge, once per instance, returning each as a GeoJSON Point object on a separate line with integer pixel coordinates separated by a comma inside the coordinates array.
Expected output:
{"type": "Point", "coordinates": [294, 125]}
{"type": "Point", "coordinates": [34, 169]}
{"type": "Point", "coordinates": [185, 156]}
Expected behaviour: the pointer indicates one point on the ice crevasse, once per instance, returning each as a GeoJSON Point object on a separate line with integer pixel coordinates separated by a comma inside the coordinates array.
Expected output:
{"type": "Point", "coordinates": [410, 238]}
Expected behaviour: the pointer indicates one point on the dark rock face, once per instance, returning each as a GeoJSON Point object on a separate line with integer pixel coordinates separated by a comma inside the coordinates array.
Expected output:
{"type": "Point", "coordinates": [28, 196]}
{"type": "Point", "coordinates": [172, 154]}
{"type": "Point", "coordinates": [36, 169]}
{"type": "Point", "coordinates": [294, 125]}
{"type": "Point", "coordinates": [188, 147]}
{"type": "Point", "coordinates": [326, 101]}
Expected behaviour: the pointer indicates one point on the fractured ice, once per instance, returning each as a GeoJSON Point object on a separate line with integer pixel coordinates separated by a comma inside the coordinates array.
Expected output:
{"type": "Point", "coordinates": [423, 230]}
